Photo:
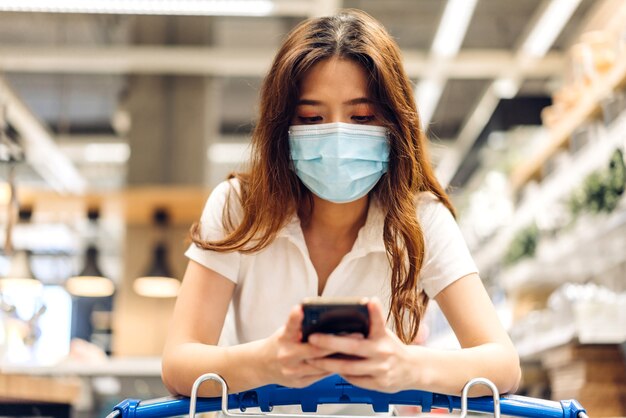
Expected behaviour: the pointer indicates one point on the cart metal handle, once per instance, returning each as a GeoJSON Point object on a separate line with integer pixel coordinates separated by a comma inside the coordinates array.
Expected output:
{"type": "Point", "coordinates": [335, 390]}
{"type": "Point", "coordinates": [226, 412]}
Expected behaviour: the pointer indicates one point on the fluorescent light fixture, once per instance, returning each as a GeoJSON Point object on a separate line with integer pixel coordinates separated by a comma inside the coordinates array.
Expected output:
{"type": "Point", "coordinates": [107, 153]}
{"type": "Point", "coordinates": [20, 277]}
{"type": "Point", "coordinates": [428, 94]}
{"type": "Point", "coordinates": [453, 26]}
{"type": "Point", "coordinates": [505, 88]}
{"type": "Point", "coordinates": [548, 27]}
{"type": "Point", "coordinates": [89, 286]}
{"type": "Point", "coordinates": [474, 124]}
{"type": "Point", "coordinates": [90, 282]}
{"type": "Point", "coordinates": [41, 237]}
{"type": "Point", "coordinates": [41, 150]}
{"type": "Point", "coordinates": [228, 153]}
{"type": "Point", "coordinates": [158, 282]}
{"type": "Point", "coordinates": [448, 39]}
{"type": "Point", "coordinates": [141, 7]}
{"type": "Point", "coordinates": [156, 287]}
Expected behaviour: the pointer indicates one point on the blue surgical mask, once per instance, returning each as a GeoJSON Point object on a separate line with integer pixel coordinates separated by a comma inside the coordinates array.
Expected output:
{"type": "Point", "coordinates": [339, 162]}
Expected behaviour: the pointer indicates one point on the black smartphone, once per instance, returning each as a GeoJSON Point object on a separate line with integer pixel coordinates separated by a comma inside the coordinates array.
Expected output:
{"type": "Point", "coordinates": [340, 316]}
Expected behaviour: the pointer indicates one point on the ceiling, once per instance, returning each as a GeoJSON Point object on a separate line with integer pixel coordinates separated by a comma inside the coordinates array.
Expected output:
{"type": "Point", "coordinates": [74, 73]}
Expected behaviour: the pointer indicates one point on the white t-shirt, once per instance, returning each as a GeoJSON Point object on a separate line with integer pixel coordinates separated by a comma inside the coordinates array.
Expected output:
{"type": "Point", "coordinates": [270, 282]}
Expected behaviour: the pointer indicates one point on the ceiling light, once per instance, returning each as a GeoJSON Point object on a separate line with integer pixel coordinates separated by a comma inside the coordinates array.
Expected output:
{"type": "Point", "coordinates": [90, 282]}
{"type": "Point", "coordinates": [505, 88]}
{"type": "Point", "coordinates": [428, 94]}
{"type": "Point", "coordinates": [20, 277]}
{"type": "Point", "coordinates": [548, 27]}
{"type": "Point", "coordinates": [448, 39]}
{"type": "Point", "coordinates": [148, 7]}
{"type": "Point", "coordinates": [42, 152]}
{"type": "Point", "coordinates": [89, 286]}
{"type": "Point", "coordinates": [228, 153]}
{"type": "Point", "coordinates": [156, 287]}
{"type": "Point", "coordinates": [113, 153]}
{"type": "Point", "coordinates": [158, 282]}
{"type": "Point", "coordinates": [453, 26]}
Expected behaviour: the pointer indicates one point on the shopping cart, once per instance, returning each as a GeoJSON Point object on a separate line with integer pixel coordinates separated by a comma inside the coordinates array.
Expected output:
{"type": "Point", "coordinates": [335, 390]}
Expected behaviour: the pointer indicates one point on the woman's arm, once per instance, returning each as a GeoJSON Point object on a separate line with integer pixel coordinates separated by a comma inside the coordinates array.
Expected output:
{"type": "Point", "coordinates": [487, 350]}
{"type": "Point", "coordinates": [191, 349]}
{"type": "Point", "coordinates": [390, 365]}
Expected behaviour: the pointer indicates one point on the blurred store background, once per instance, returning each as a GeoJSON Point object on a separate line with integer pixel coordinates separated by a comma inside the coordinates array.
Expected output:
{"type": "Point", "coordinates": [117, 118]}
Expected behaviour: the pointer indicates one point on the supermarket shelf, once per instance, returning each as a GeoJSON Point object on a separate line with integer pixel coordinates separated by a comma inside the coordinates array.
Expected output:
{"type": "Point", "coordinates": [536, 343]}
{"type": "Point", "coordinates": [40, 389]}
{"type": "Point", "coordinates": [120, 366]}
{"type": "Point", "coordinates": [530, 347]}
{"type": "Point", "coordinates": [594, 247]}
{"type": "Point", "coordinates": [554, 188]}
{"type": "Point", "coordinates": [558, 136]}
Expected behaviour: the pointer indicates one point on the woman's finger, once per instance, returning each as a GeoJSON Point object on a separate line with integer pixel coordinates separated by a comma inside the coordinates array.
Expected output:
{"type": "Point", "coordinates": [293, 327]}
{"type": "Point", "coordinates": [304, 370]}
{"type": "Point", "coordinates": [347, 367]}
{"type": "Point", "coordinates": [308, 351]}
{"type": "Point", "coordinates": [342, 344]}
{"type": "Point", "coordinates": [378, 328]}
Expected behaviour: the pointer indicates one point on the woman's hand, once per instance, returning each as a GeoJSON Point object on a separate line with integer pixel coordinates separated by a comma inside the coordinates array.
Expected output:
{"type": "Point", "coordinates": [288, 359]}
{"type": "Point", "coordinates": [385, 364]}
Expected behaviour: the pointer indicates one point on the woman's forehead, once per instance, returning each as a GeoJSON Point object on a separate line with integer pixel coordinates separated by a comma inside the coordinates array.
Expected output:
{"type": "Point", "coordinates": [335, 78]}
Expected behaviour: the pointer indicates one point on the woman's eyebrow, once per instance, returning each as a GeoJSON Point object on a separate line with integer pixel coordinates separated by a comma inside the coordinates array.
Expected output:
{"type": "Point", "coordinates": [358, 100]}
{"type": "Point", "coordinates": [309, 102]}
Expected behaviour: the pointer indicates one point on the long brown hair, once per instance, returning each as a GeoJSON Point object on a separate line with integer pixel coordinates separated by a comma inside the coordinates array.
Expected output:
{"type": "Point", "coordinates": [271, 192]}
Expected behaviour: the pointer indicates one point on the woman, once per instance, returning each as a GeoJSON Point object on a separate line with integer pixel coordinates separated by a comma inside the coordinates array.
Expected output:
{"type": "Point", "coordinates": [339, 200]}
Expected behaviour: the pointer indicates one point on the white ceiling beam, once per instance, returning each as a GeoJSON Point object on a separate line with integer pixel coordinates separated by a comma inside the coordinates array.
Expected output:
{"type": "Point", "coordinates": [548, 26]}
{"type": "Point", "coordinates": [322, 8]}
{"type": "Point", "coordinates": [229, 62]}
{"type": "Point", "coordinates": [453, 27]}
{"type": "Point", "coordinates": [41, 151]}
{"type": "Point", "coordinates": [446, 44]}
{"type": "Point", "coordinates": [428, 93]}
{"type": "Point", "coordinates": [164, 7]}
{"type": "Point", "coordinates": [473, 126]}
{"type": "Point", "coordinates": [532, 50]}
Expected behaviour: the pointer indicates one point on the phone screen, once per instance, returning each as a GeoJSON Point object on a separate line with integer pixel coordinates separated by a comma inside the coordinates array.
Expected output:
{"type": "Point", "coordinates": [335, 316]}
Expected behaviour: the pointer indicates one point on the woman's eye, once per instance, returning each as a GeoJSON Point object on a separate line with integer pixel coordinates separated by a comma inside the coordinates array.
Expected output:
{"type": "Point", "coordinates": [363, 119]}
{"type": "Point", "coordinates": [310, 119]}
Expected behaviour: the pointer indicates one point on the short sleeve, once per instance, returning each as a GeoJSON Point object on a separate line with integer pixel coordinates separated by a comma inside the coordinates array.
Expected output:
{"type": "Point", "coordinates": [212, 229]}
{"type": "Point", "coordinates": [446, 257]}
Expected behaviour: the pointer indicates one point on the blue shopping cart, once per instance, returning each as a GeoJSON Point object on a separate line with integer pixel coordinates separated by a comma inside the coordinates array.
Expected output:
{"type": "Point", "coordinates": [335, 390]}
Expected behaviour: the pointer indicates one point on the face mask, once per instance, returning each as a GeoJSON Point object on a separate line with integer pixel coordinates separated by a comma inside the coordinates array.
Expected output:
{"type": "Point", "coordinates": [339, 162]}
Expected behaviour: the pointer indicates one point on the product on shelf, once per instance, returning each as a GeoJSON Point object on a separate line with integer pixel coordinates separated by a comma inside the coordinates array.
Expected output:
{"type": "Point", "coordinates": [612, 106]}
{"type": "Point", "coordinates": [595, 375]}
{"type": "Point", "coordinates": [603, 50]}
{"type": "Point", "coordinates": [590, 61]}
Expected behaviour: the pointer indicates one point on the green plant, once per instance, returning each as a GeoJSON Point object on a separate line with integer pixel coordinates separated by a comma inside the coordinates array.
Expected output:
{"type": "Point", "coordinates": [617, 170]}
{"type": "Point", "coordinates": [524, 245]}
{"type": "Point", "coordinates": [602, 189]}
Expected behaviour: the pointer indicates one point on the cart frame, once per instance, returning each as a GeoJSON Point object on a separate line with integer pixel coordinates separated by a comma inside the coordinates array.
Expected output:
{"type": "Point", "coordinates": [336, 390]}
